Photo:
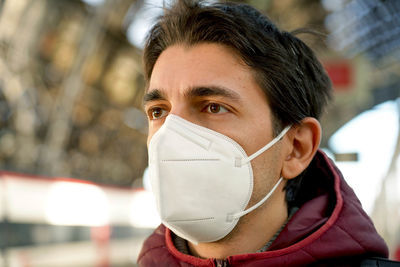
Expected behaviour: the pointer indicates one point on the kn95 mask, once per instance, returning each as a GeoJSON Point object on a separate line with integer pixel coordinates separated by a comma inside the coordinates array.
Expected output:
{"type": "Point", "coordinates": [202, 180]}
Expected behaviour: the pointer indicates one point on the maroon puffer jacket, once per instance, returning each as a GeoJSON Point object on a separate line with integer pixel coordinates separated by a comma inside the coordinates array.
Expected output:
{"type": "Point", "coordinates": [329, 229]}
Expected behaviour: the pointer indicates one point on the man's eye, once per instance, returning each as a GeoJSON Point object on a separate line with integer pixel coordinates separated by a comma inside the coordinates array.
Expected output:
{"type": "Point", "coordinates": [157, 113]}
{"type": "Point", "coordinates": [215, 108]}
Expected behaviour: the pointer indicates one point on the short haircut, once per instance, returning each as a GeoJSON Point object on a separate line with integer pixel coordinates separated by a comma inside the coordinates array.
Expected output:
{"type": "Point", "coordinates": [294, 82]}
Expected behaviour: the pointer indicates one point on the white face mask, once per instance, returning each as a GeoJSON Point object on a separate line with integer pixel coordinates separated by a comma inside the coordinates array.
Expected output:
{"type": "Point", "coordinates": [202, 180]}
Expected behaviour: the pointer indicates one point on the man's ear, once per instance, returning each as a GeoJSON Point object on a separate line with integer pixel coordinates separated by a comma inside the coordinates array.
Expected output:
{"type": "Point", "coordinates": [303, 142]}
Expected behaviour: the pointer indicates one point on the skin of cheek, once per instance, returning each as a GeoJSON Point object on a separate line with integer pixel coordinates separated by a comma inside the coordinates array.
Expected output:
{"type": "Point", "coordinates": [266, 172]}
{"type": "Point", "coordinates": [266, 167]}
{"type": "Point", "coordinates": [252, 136]}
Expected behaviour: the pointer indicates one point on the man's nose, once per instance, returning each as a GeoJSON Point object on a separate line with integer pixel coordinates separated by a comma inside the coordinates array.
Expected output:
{"type": "Point", "coordinates": [182, 110]}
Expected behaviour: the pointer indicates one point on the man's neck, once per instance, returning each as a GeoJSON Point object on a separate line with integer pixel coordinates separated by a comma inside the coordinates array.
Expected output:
{"type": "Point", "coordinates": [252, 233]}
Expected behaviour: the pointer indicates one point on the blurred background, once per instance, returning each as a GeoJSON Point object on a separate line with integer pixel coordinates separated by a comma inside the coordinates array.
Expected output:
{"type": "Point", "coordinates": [71, 88]}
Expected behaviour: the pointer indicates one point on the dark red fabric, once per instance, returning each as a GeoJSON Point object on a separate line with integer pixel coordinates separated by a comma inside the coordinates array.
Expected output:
{"type": "Point", "coordinates": [329, 229]}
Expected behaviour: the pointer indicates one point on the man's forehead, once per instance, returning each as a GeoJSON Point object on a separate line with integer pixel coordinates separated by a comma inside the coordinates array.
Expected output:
{"type": "Point", "coordinates": [199, 71]}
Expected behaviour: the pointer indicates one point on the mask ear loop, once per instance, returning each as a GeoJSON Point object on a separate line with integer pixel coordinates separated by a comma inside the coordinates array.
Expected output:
{"type": "Point", "coordinates": [262, 150]}
{"type": "Point", "coordinates": [242, 213]}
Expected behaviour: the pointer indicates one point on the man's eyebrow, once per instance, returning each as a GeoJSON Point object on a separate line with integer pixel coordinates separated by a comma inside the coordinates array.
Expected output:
{"type": "Point", "coordinates": [192, 92]}
{"type": "Point", "coordinates": [153, 95]}
{"type": "Point", "coordinates": [200, 91]}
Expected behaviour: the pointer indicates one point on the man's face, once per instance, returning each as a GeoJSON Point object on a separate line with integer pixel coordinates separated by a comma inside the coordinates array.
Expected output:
{"type": "Point", "coordinates": [208, 84]}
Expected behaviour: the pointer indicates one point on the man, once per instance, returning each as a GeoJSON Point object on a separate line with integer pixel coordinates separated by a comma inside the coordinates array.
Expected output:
{"type": "Point", "coordinates": [233, 106]}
